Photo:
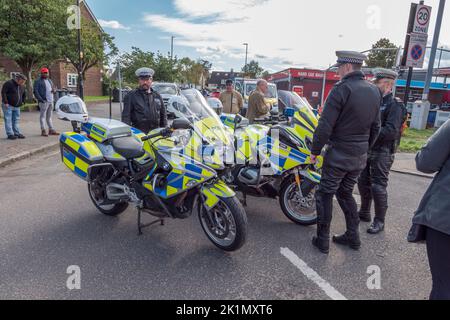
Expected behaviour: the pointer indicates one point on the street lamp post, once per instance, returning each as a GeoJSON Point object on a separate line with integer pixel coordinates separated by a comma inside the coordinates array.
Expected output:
{"type": "Point", "coordinates": [437, 32]}
{"type": "Point", "coordinates": [246, 55]}
{"type": "Point", "coordinates": [80, 51]}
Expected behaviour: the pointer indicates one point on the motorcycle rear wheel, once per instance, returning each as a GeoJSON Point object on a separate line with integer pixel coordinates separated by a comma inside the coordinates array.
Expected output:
{"type": "Point", "coordinates": [111, 210]}
{"type": "Point", "coordinates": [227, 228]}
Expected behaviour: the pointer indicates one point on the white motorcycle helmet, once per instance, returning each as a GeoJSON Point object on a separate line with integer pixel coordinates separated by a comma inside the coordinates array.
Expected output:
{"type": "Point", "coordinates": [71, 108]}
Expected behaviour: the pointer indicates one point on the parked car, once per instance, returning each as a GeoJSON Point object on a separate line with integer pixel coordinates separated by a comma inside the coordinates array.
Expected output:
{"type": "Point", "coordinates": [167, 91]}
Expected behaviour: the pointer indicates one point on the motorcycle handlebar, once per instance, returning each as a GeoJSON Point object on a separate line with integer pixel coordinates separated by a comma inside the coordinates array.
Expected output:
{"type": "Point", "coordinates": [163, 133]}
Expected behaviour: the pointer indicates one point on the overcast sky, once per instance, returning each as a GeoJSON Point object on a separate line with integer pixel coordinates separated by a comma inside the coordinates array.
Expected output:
{"type": "Point", "coordinates": [280, 33]}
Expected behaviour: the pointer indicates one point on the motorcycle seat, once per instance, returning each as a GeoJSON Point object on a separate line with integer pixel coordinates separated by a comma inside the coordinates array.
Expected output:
{"type": "Point", "coordinates": [128, 147]}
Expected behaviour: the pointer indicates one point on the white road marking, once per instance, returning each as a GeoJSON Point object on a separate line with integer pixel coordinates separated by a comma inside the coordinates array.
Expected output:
{"type": "Point", "coordinates": [312, 275]}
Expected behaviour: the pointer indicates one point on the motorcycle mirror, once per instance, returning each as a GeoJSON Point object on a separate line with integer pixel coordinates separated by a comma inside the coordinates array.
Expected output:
{"type": "Point", "coordinates": [181, 124]}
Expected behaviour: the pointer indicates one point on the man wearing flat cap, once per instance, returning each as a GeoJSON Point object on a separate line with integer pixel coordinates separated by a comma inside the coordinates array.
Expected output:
{"type": "Point", "coordinates": [143, 107]}
{"type": "Point", "coordinates": [349, 125]}
{"type": "Point", "coordinates": [13, 97]}
{"type": "Point", "coordinates": [374, 179]}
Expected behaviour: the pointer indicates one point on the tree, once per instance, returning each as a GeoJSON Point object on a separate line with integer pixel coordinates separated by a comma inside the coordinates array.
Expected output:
{"type": "Point", "coordinates": [33, 33]}
{"type": "Point", "coordinates": [265, 74]}
{"type": "Point", "coordinates": [382, 58]}
{"type": "Point", "coordinates": [98, 47]}
{"type": "Point", "coordinates": [164, 67]}
{"type": "Point", "coordinates": [253, 70]}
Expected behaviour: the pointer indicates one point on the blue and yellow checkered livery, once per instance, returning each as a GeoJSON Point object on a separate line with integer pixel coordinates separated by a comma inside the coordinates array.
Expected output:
{"type": "Point", "coordinates": [78, 153]}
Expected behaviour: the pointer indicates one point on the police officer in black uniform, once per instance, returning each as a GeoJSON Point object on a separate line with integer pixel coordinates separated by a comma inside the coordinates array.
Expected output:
{"type": "Point", "coordinates": [144, 108]}
{"type": "Point", "coordinates": [349, 125]}
{"type": "Point", "coordinates": [374, 179]}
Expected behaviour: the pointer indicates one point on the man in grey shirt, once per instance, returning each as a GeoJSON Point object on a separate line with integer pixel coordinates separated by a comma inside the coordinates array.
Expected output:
{"type": "Point", "coordinates": [43, 91]}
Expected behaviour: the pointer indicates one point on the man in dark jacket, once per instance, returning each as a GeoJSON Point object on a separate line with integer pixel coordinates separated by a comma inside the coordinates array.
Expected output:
{"type": "Point", "coordinates": [374, 179]}
{"type": "Point", "coordinates": [144, 108]}
{"type": "Point", "coordinates": [349, 125]}
{"type": "Point", "coordinates": [13, 97]}
{"type": "Point", "coordinates": [433, 214]}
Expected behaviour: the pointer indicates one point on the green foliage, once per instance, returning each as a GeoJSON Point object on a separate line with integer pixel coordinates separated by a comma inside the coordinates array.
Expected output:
{"type": "Point", "coordinates": [383, 59]}
{"type": "Point", "coordinates": [33, 32]}
{"type": "Point", "coordinates": [413, 140]}
{"type": "Point", "coordinates": [253, 70]}
{"type": "Point", "coordinates": [182, 70]}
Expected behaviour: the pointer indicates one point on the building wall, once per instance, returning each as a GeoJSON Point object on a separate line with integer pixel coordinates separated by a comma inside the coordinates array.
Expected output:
{"type": "Point", "coordinates": [59, 70]}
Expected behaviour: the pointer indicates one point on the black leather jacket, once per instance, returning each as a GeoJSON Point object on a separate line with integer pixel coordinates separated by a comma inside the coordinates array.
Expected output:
{"type": "Point", "coordinates": [391, 124]}
{"type": "Point", "coordinates": [350, 122]}
{"type": "Point", "coordinates": [144, 110]}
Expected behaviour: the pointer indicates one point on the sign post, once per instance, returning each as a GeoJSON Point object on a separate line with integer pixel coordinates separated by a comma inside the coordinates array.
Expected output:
{"type": "Point", "coordinates": [416, 41]}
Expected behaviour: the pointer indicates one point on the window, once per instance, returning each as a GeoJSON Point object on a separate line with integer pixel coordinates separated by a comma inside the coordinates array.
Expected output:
{"type": "Point", "coordinates": [72, 80]}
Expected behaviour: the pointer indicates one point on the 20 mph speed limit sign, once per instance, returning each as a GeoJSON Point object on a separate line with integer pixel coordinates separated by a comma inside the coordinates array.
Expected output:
{"type": "Point", "coordinates": [422, 19]}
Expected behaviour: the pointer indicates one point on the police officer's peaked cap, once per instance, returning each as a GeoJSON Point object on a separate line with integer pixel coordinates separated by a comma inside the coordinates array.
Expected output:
{"type": "Point", "coordinates": [351, 57]}
{"type": "Point", "coordinates": [145, 73]}
{"type": "Point", "coordinates": [381, 73]}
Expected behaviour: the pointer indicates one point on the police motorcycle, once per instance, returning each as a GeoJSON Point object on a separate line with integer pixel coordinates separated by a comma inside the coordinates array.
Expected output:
{"type": "Point", "coordinates": [274, 158]}
{"type": "Point", "coordinates": [123, 166]}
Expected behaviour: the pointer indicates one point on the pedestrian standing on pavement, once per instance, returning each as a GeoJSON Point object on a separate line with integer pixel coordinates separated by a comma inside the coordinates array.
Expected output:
{"type": "Point", "coordinates": [13, 97]}
{"type": "Point", "coordinates": [43, 92]}
{"type": "Point", "coordinates": [431, 222]}
{"type": "Point", "coordinates": [144, 108]}
{"type": "Point", "coordinates": [231, 99]}
{"type": "Point", "coordinates": [374, 179]}
{"type": "Point", "coordinates": [257, 106]}
{"type": "Point", "coordinates": [349, 125]}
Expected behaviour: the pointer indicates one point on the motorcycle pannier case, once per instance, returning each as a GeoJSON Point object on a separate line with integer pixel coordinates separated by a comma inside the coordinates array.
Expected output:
{"type": "Point", "coordinates": [78, 153]}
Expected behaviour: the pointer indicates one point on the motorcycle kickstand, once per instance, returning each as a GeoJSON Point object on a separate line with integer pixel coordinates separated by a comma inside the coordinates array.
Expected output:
{"type": "Point", "coordinates": [244, 201]}
{"type": "Point", "coordinates": [142, 226]}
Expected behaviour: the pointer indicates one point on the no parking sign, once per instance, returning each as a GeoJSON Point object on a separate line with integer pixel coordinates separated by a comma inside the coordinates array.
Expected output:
{"type": "Point", "coordinates": [416, 51]}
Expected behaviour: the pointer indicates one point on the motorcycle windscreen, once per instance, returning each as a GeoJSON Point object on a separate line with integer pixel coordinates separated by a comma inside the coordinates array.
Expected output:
{"type": "Point", "coordinates": [212, 142]}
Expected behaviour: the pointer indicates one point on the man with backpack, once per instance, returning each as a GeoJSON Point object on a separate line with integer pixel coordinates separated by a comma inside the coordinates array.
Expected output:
{"type": "Point", "coordinates": [374, 179]}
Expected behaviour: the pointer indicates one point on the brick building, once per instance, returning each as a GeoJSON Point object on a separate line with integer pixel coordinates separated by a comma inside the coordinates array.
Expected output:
{"type": "Point", "coordinates": [63, 74]}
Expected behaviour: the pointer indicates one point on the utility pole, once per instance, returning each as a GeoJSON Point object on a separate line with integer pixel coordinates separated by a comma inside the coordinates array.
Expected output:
{"type": "Point", "coordinates": [439, 62]}
{"type": "Point", "coordinates": [437, 33]}
{"type": "Point", "coordinates": [246, 55]}
{"type": "Point", "coordinates": [81, 56]}
{"type": "Point", "coordinates": [171, 48]}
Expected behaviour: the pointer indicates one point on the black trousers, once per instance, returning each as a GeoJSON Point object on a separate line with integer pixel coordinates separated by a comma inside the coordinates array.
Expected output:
{"type": "Point", "coordinates": [341, 183]}
{"type": "Point", "coordinates": [438, 247]}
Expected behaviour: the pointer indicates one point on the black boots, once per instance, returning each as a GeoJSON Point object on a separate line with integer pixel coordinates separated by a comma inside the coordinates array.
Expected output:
{"type": "Point", "coordinates": [380, 198]}
{"type": "Point", "coordinates": [351, 240]}
{"type": "Point", "coordinates": [366, 203]}
{"type": "Point", "coordinates": [322, 240]}
{"type": "Point", "coordinates": [350, 208]}
{"type": "Point", "coordinates": [376, 227]}
{"type": "Point", "coordinates": [324, 214]}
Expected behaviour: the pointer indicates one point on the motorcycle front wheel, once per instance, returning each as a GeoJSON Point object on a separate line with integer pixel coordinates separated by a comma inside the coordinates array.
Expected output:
{"type": "Point", "coordinates": [226, 224]}
{"type": "Point", "coordinates": [299, 207]}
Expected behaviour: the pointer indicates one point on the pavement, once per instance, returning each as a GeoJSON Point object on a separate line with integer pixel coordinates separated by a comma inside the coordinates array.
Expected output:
{"type": "Point", "coordinates": [49, 227]}
{"type": "Point", "coordinates": [11, 151]}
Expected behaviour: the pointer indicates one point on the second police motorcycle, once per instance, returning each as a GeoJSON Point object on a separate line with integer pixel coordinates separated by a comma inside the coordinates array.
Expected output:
{"type": "Point", "coordinates": [269, 159]}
